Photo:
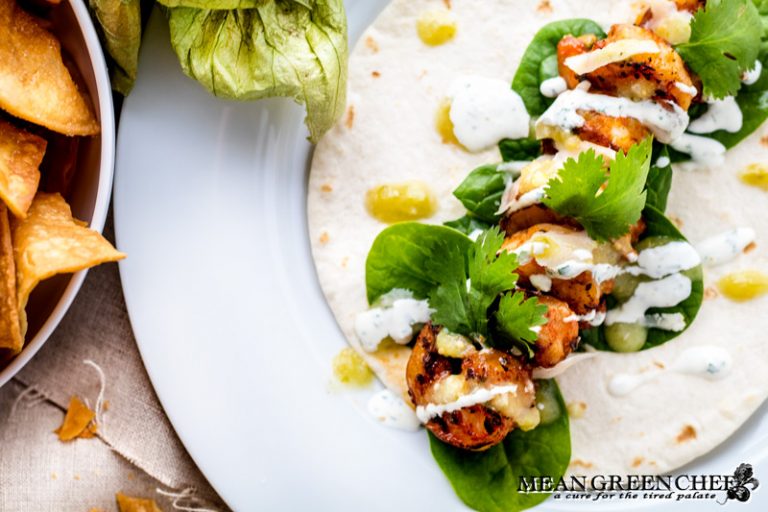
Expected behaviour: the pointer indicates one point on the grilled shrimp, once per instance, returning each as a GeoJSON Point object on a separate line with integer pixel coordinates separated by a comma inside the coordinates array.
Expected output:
{"type": "Point", "coordinates": [524, 218]}
{"type": "Point", "coordinates": [559, 336]}
{"type": "Point", "coordinates": [640, 77]}
{"type": "Point", "coordinates": [582, 293]}
{"type": "Point", "coordinates": [436, 379]}
{"type": "Point", "coordinates": [617, 133]}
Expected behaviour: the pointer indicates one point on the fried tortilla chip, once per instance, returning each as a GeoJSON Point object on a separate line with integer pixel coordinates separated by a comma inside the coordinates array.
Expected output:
{"type": "Point", "coordinates": [20, 156]}
{"type": "Point", "coordinates": [128, 504]}
{"type": "Point", "coordinates": [76, 421]}
{"type": "Point", "coordinates": [10, 331]}
{"type": "Point", "coordinates": [49, 242]}
{"type": "Point", "coordinates": [34, 82]}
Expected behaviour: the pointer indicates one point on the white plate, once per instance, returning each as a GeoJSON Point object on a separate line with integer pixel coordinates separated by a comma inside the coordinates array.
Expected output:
{"type": "Point", "coordinates": [231, 323]}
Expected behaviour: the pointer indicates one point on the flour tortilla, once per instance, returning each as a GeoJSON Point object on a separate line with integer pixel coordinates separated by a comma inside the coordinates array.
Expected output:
{"type": "Point", "coordinates": [387, 135]}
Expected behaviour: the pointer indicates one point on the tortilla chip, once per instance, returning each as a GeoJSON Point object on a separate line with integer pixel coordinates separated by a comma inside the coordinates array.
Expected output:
{"type": "Point", "coordinates": [34, 82]}
{"type": "Point", "coordinates": [49, 242]}
{"type": "Point", "coordinates": [128, 504]}
{"type": "Point", "coordinates": [20, 156]}
{"type": "Point", "coordinates": [76, 421]}
{"type": "Point", "coordinates": [10, 332]}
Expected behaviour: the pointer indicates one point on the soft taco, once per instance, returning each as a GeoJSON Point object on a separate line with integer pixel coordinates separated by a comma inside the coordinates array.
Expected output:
{"type": "Point", "coordinates": [542, 231]}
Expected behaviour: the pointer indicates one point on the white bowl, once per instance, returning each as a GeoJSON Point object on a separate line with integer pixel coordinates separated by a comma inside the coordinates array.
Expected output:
{"type": "Point", "coordinates": [92, 185]}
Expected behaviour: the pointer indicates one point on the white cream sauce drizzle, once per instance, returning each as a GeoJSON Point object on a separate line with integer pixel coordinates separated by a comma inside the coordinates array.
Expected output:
{"type": "Point", "coordinates": [665, 259]}
{"type": "Point", "coordinates": [663, 161]}
{"type": "Point", "coordinates": [666, 292]}
{"type": "Point", "coordinates": [397, 317]}
{"type": "Point", "coordinates": [725, 247]}
{"type": "Point", "coordinates": [705, 361]}
{"type": "Point", "coordinates": [478, 396]}
{"type": "Point", "coordinates": [541, 282]}
{"type": "Point", "coordinates": [486, 110]}
{"type": "Point", "coordinates": [703, 150]}
{"type": "Point", "coordinates": [724, 114]}
{"type": "Point", "coordinates": [594, 317]}
{"type": "Point", "coordinates": [390, 410]}
{"type": "Point", "coordinates": [687, 89]}
{"type": "Point", "coordinates": [553, 87]}
{"type": "Point", "coordinates": [562, 366]}
{"type": "Point", "coordinates": [753, 75]}
{"type": "Point", "coordinates": [666, 122]}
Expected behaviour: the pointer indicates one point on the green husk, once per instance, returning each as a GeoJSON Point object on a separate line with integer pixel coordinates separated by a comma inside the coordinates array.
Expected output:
{"type": "Point", "coordinates": [120, 22]}
{"type": "Point", "coordinates": [277, 48]}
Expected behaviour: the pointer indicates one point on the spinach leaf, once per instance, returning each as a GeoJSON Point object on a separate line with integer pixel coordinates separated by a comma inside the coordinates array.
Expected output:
{"type": "Point", "coordinates": [467, 224]}
{"type": "Point", "coordinates": [659, 226]}
{"type": "Point", "coordinates": [659, 179]}
{"type": "Point", "coordinates": [539, 61]}
{"type": "Point", "coordinates": [400, 256]}
{"type": "Point", "coordinates": [488, 481]}
{"type": "Point", "coordinates": [520, 150]}
{"type": "Point", "coordinates": [278, 48]}
{"type": "Point", "coordinates": [481, 192]}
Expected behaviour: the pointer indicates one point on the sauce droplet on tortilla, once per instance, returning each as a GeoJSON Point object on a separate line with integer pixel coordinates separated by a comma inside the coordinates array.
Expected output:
{"type": "Point", "coordinates": [755, 175]}
{"type": "Point", "coordinates": [392, 411]}
{"type": "Point", "coordinates": [436, 27]}
{"type": "Point", "coordinates": [744, 285]}
{"type": "Point", "coordinates": [398, 202]}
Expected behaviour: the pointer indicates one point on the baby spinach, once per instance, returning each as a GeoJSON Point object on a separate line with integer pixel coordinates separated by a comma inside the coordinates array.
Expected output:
{"type": "Point", "coordinates": [488, 481]}
{"type": "Point", "coordinates": [520, 149]}
{"type": "Point", "coordinates": [539, 61]}
{"type": "Point", "coordinates": [400, 256]}
{"type": "Point", "coordinates": [659, 179]}
{"type": "Point", "coordinates": [481, 192]}
{"type": "Point", "coordinates": [658, 225]}
{"type": "Point", "coordinates": [467, 224]}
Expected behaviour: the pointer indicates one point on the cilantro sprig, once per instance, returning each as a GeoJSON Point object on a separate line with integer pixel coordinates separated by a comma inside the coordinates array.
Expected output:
{"type": "Point", "coordinates": [469, 282]}
{"type": "Point", "coordinates": [606, 205]}
{"type": "Point", "coordinates": [725, 42]}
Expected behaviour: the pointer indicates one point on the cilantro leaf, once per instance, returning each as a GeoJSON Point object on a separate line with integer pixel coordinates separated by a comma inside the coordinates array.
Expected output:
{"type": "Point", "coordinates": [606, 211]}
{"type": "Point", "coordinates": [725, 41]}
{"type": "Point", "coordinates": [516, 316]}
{"type": "Point", "coordinates": [490, 274]}
{"type": "Point", "coordinates": [468, 284]}
{"type": "Point", "coordinates": [449, 299]}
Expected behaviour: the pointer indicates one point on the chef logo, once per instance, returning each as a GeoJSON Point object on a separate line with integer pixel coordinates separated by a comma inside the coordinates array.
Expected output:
{"type": "Point", "coordinates": [742, 482]}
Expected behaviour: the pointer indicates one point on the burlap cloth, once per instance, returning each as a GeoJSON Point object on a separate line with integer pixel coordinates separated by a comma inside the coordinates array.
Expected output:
{"type": "Point", "coordinates": [137, 450]}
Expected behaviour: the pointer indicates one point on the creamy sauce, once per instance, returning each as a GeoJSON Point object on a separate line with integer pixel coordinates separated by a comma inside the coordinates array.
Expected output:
{"type": "Point", "coordinates": [484, 111]}
{"type": "Point", "coordinates": [553, 87]}
{"type": "Point", "coordinates": [753, 75]}
{"type": "Point", "coordinates": [392, 411]}
{"type": "Point", "coordinates": [709, 362]}
{"type": "Point", "coordinates": [663, 161]}
{"type": "Point", "coordinates": [478, 396]}
{"type": "Point", "coordinates": [706, 361]}
{"type": "Point", "coordinates": [703, 150]}
{"type": "Point", "coordinates": [667, 122]}
{"type": "Point", "coordinates": [666, 292]}
{"type": "Point", "coordinates": [725, 247]}
{"type": "Point", "coordinates": [541, 282]}
{"type": "Point", "coordinates": [723, 114]}
{"type": "Point", "coordinates": [562, 366]}
{"type": "Point", "coordinates": [397, 319]}
{"type": "Point", "coordinates": [687, 89]}
{"type": "Point", "coordinates": [610, 53]}
{"type": "Point", "coordinates": [511, 203]}
{"type": "Point", "coordinates": [594, 318]}
{"type": "Point", "coordinates": [665, 321]}
{"type": "Point", "coordinates": [665, 259]}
